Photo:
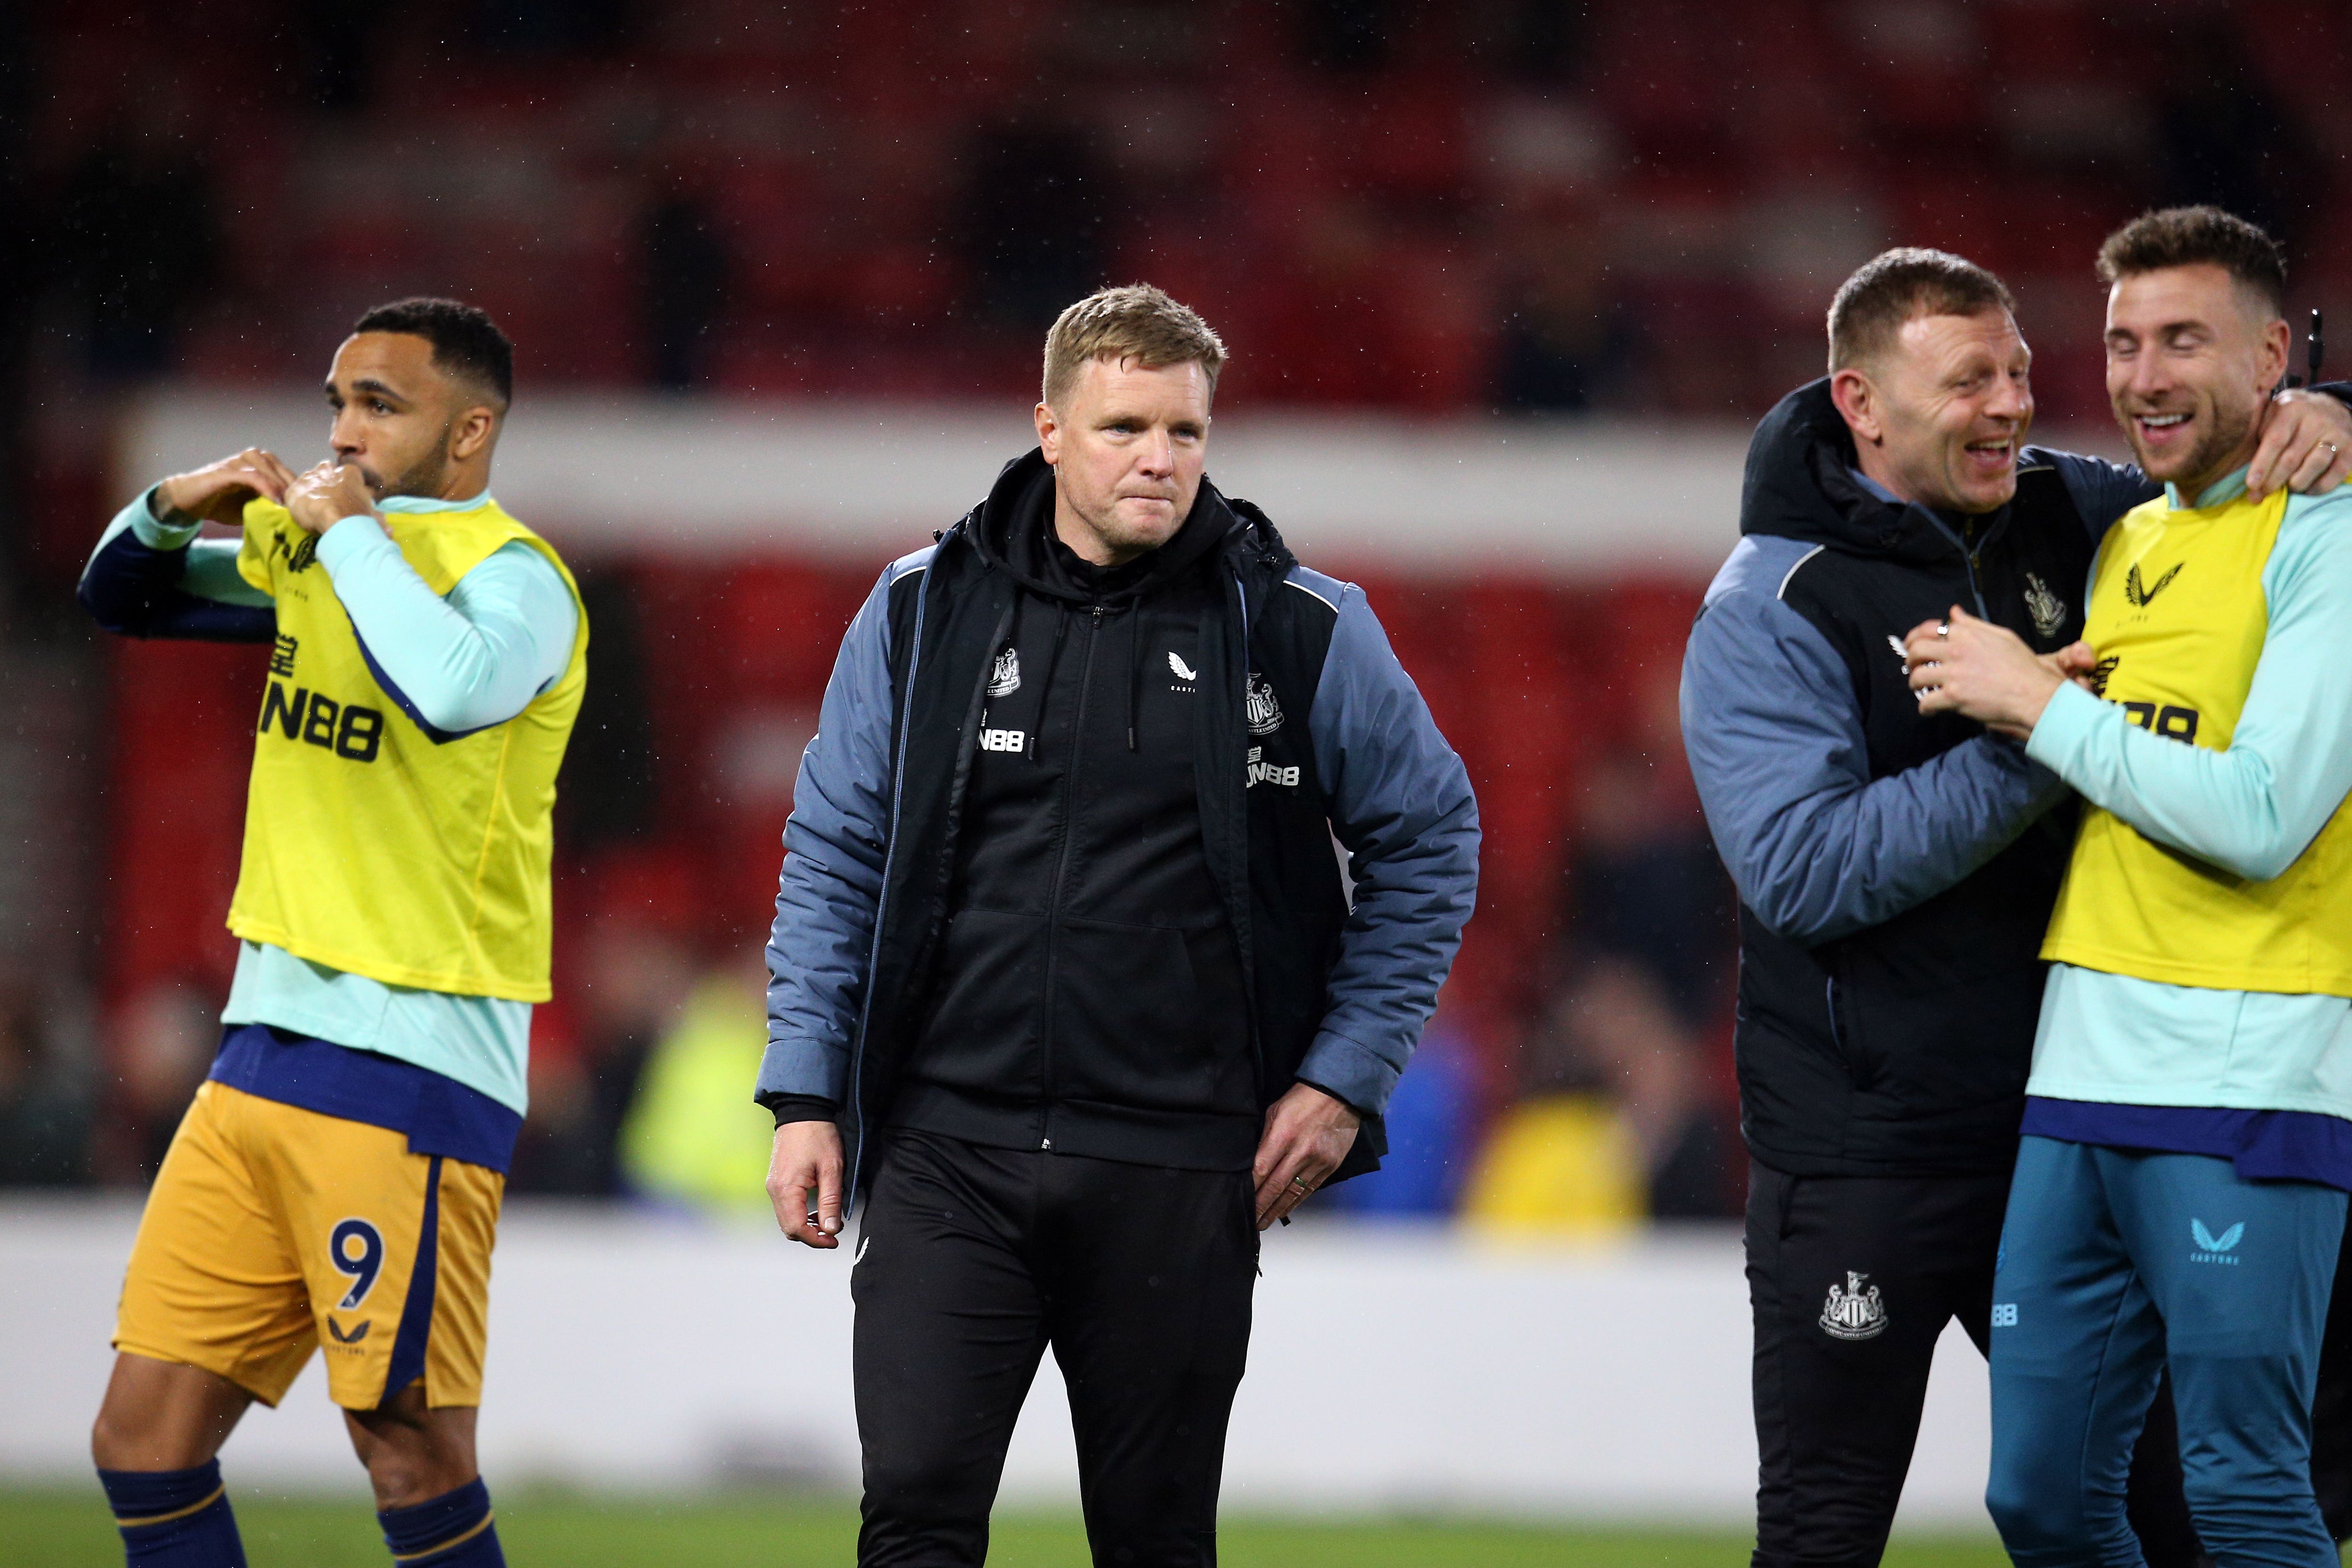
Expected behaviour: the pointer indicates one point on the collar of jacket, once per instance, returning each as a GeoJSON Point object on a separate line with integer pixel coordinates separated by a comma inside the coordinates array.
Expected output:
{"type": "Point", "coordinates": [1800, 485]}
{"type": "Point", "coordinates": [1007, 532]}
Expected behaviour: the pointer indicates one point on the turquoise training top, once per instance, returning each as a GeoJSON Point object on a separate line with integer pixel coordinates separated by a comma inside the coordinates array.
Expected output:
{"type": "Point", "coordinates": [2142, 1063]}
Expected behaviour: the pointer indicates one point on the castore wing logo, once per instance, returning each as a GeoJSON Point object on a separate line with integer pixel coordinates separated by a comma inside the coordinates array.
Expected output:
{"type": "Point", "coordinates": [2137, 589]}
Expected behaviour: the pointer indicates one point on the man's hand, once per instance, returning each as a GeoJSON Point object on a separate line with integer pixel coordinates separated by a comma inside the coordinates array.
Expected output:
{"type": "Point", "coordinates": [217, 492]}
{"type": "Point", "coordinates": [1974, 667]}
{"type": "Point", "coordinates": [327, 495]}
{"type": "Point", "coordinates": [1307, 1133]}
{"type": "Point", "coordinates": [2306, 445]}
{"type": "Point", "coordinates": [807, 1159]}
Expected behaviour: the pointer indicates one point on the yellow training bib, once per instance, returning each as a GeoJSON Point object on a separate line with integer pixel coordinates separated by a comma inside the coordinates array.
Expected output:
{"type": "Point", "coordinates": [2177, 616]}
{"type": "Point", "coordinates": [370, 846]}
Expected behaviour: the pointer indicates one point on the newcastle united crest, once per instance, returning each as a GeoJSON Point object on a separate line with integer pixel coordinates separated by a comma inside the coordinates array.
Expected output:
{"type": "Point", "coordinates": [1852, 1313]}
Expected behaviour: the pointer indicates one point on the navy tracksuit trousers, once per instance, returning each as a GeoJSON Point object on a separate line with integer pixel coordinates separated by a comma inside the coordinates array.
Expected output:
{"type": "Point", "coordinates": [2118, 1265]}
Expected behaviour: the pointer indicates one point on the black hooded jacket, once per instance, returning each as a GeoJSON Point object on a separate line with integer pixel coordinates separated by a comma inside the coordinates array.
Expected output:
{"type": "Point", "coordinates": [1890, 975]}
{"type": "Point", "coordinates": [1086, 959]}
{"type": "Point", "coordinates": [1061, 870]}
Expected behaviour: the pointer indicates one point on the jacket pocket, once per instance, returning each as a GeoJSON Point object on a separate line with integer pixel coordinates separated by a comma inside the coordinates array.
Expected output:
{"type": "Point", "coordinates": [980, 1031]}
{"type": "Point", "coordinates": [1847, 1037]}
{"type": "Point", "coordinates": [1150, 1017]}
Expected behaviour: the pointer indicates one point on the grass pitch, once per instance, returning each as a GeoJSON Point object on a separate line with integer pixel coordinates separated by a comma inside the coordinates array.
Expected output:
{"type": "Point", "coordinates": [63, 1529]}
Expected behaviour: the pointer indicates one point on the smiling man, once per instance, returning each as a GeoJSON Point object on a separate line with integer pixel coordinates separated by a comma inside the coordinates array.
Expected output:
{"type": "Point", "coordinates": [1066, 989]}
{"type": "Point", "coordinates": [1896, 868]}
{"type": "Point", "coordinates": [337, 1181]}
{"type": "Point", "coordinates": [2180, 1192]}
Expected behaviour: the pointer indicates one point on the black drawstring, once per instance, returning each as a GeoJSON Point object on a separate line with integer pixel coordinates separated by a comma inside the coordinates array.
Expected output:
{"type": "Point", "coordinates": [1134, 672]}
{"type": "Point", "coordinates": [1052, 659]}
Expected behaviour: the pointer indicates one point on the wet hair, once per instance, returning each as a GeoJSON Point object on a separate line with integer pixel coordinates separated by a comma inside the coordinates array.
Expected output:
{"type": "Point", "coordinates": [466, 342]}
{"type": "Point", "coordinates": [1896, 287]}
{"type": "Point", "coordinates": [1134, 322]}
{"type": "Point", "coordinates": [2193, 236]}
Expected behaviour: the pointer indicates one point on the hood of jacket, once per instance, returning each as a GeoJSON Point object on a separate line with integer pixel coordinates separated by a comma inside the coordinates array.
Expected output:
{"type": "Point", "coordinates": [1013, 532]}
{"type": "Point", "coordinates": [1800, 483]}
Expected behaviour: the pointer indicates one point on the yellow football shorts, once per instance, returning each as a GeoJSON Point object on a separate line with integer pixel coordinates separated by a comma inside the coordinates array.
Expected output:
{"type": "Point", "coordinates": [272, 1231]}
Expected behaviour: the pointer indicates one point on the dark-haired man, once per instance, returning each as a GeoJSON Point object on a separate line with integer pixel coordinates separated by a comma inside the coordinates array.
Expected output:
{"type": "Point", "coordinates": [2180, 1190]}
{"type": "Point", "coordinates": [337, 1180]}
{"type": "Point", "coordinates": [1062, 944]}
{"type": "Point", "coordinates": [1896, 870]}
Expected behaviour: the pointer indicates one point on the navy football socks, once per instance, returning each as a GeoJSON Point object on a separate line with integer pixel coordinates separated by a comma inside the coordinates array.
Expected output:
{"type": "Point", "coordinates": [452, 1531]}
{"type": "Point", "coordinates": [174, 1518]}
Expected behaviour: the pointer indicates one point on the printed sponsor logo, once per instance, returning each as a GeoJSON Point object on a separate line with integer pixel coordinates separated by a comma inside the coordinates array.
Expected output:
{"type": "Point", "coordinates": [1005, 740]}
{"type": "Point", "coordinates": [2004, 1314]}
{"type": "Point", "coordinates": [2171, 721]}
{"type": "Point", "coordinates": [1183, 672]}
{"type": "Point", "coordinates": [1900, 656]}
{"type": "Point", "coordinates": [353, 1337]}
{"type": "Point", "coordinates": [1852, 1313]}
{"type": "Point", "coordinates": [347, 729]}
{"type": "Point", "coordinates": [2212, 1248]}
{"type": "Point", "coordinates": [1269, 773]}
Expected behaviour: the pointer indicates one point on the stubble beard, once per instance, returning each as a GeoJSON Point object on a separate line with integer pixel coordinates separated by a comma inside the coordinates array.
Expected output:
{"type": "Point", "coordinates": [423, 478]}
{"type": "Point", "coordinates": [2210, 458]}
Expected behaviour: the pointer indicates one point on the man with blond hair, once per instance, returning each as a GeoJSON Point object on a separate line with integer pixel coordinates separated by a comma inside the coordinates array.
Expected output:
{"type": "Point", "coordinates": [1066, 988]}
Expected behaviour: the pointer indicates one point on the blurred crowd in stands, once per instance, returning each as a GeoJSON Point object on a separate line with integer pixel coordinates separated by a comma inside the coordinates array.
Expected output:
{"type": "Point", "coordinates": [1633, 208]}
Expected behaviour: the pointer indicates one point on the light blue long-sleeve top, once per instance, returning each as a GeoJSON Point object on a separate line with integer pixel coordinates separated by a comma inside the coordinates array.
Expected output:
{"type": "Point", "coordinates": [2250, 809]}
{"type": "Point", "coordinates": [477, 657]}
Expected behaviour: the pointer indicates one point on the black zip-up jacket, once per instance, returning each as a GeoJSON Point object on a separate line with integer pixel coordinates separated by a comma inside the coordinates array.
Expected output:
{"type": "Point", "coordinates": [1086, 975]}
{"type": "Point", "coordinates": [1896, 870]}
{"type": "Point", "coordinates": [1300, 728]}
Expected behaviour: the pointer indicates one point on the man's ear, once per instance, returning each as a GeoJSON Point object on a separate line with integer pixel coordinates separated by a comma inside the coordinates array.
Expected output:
{"type": "Point", "coordinates": [1857, 404]}
{"type": "Point", "coordinates": [1049, 433]}
{"type": "Point", "coordinates": [2278, 345]}
{"type": "Point", "coordinates": [473, 432]}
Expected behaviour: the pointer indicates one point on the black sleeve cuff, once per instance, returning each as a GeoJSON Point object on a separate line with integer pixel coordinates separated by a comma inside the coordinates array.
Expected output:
{"type": "Point", "coordinates": [787, 1108]}
{"type": "Point", "coordinates": [1343, 1100]}
{"type": "Point", "coordinates": [2340, 390]}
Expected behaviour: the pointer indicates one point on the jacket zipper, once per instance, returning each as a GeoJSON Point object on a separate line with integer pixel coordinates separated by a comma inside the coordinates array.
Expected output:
{"type": "Point", "coordinates": [1062, 865]}
{"type": "Point", "coordinates": [882, 902]}
{"type": "Point", "coordinates": [1249, 963]}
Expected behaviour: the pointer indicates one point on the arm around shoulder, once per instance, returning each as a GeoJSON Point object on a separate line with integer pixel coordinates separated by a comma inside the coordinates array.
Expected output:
{"type": "Point", "coordinates": [1818, 848]}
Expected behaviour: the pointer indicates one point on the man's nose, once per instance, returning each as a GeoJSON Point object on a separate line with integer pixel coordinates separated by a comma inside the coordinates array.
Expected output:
{"type": "Point", "coordinates": [2150, 375]}
{"type": "Point", "coordinates": [343, 437]}
{"type": "Point", "coordinates": [2009, 399]}
{"type": "Point", "coordinates": [1159, 455]}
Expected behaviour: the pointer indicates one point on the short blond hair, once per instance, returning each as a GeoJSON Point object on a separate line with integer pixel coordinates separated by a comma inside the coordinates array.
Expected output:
{"type": "Point", "coordinates": [1895, 287]}
{"type": "Point", "coordinates": [1134, 323]}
